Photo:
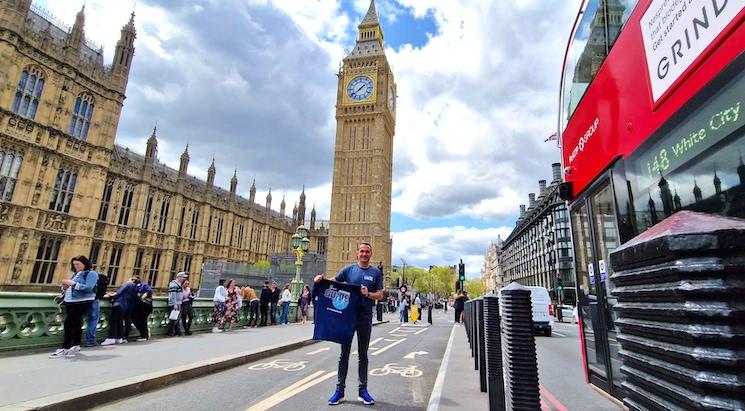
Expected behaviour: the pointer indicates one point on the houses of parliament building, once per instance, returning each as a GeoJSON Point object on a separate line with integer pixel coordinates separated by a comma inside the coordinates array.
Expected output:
{"type": "Point", "coordinates": [67, 188]}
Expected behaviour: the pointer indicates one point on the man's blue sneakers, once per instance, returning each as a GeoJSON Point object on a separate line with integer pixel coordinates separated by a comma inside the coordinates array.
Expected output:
{"type": "Point", "coordinates": [336, 398]}
{"type": "Point", "coordinates": [366, 398]}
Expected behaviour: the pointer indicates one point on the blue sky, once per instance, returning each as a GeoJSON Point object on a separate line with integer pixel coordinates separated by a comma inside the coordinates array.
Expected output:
{"type": "Point", "coordinates": [477, 96]}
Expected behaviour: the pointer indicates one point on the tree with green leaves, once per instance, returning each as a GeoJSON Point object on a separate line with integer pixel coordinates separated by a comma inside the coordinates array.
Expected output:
{"type": "Point", "coordinates": [475, 287]}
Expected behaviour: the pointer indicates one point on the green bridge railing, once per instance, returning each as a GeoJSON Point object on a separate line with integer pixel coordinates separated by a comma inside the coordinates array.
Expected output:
{"type": "Point", "coordinates": [33, 320]}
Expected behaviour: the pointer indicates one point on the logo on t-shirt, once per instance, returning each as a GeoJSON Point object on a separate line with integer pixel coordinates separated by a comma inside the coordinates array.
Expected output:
{"type": "Point", "coordinates": [340, 299]}
{"type": "Point", "coordinates": [368, 278]}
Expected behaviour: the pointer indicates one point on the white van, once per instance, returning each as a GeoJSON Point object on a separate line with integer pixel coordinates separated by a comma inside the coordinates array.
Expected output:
{"type": "Point", "coordinates": [543, 310]}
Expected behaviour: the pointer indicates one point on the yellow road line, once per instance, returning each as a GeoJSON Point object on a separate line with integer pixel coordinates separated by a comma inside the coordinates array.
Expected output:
{"type": "Point", "coordinates": [283, 392]}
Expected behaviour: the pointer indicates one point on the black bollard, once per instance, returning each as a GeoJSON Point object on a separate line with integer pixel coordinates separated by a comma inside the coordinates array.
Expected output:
{"type": "Point", "coordinates": [482, 342]}
{"type": "Point", "coordinates": [681, 306]}
{"type": "Point", "coordinates": [493, 344]}
{"type": "Point", "coordinates": [518, 347]}
{"type": "Point", "coordinates": [379, 308]}
{"type": "Point", "coordinates": [429, 314]}
{"type": "Point", "coordinates": [467, 322]}
{"type": "Point", "coordinates": [475, 331]}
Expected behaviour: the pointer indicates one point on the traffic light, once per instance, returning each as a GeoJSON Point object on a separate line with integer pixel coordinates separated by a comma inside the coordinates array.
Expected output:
{"type": "Point", "coordinates": [461, 271]}
{"type": "Point", "coordinates": [559, 284]}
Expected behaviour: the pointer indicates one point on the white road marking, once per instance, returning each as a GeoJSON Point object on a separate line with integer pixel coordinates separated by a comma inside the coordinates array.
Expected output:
{"type": "Point", "coordinates": [412, 355]}
{"type": "Point", "coordinates": [320, 350]}
{"type": "Point", "coordinates": [389, 346]}
{"type": "Point", "coordinates": [559, 334]}
{"type": "Point", "coordinates": [369, 346]}
{"type": "Point", "coordinates": [421, 331]}
{"type": "Point", "coordinates": [434, 400]}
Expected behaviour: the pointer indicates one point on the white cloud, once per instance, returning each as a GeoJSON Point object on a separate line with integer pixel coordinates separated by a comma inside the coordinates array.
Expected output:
{"type": "Point", "coordinates": [445, 246]}
{"type": "Point", "coordinates": [475, 102]}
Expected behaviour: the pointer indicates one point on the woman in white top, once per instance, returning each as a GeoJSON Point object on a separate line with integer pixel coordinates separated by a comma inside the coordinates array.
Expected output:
{"type": "Point", "coordinates": [402, 307]}
{"type": "Point", "coordinates": [218, 314]}
{"type": "Point", "coordinates": [285, 300]}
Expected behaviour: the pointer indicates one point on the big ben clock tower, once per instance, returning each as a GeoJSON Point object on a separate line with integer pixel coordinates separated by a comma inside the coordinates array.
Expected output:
{"type": "Point", "coordinates": [363, 157]}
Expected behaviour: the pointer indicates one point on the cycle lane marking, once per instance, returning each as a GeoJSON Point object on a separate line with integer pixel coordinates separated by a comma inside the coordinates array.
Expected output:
{"type": "Point", "coordinates": [291, 390]}
{"type": "Point", "coordinates": [281, 364]}
{"type": "Point", "coordinates": [408, 371]}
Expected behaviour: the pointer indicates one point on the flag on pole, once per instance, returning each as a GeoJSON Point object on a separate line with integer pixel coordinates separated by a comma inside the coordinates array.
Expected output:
{"type": "Point", "coordinates": [554, 136]}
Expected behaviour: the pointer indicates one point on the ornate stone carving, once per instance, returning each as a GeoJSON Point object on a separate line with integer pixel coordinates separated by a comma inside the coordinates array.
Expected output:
{"type": "Point", "coordinates": [4, 213]}
{"type": "Point", "coordinates": [121, 233]}
{"type": "Point", "coordinates": [55, 222]}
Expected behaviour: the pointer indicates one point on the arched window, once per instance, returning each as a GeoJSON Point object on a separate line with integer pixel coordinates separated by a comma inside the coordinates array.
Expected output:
{"type": "Point", "coordinates": [126, 205]}
{"type": "Point", "coordinates": [10, 163]}
{"type": "Point", "coordinates": [64, 188]}
{"type": "Point", "coordinates": [163, 219]}
{"type": "Point", "coordinates": [81, 116]}
{"type": "Point", "coordinates": [103, 212]}
{"type": "Point", "coordinates": [28, 92]}
{"type": "Point", "coordinates": [148, 210]}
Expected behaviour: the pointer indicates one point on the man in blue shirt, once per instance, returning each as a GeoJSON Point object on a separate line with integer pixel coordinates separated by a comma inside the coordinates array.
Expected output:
{"type": "Point", "coordinates": [371, 281]}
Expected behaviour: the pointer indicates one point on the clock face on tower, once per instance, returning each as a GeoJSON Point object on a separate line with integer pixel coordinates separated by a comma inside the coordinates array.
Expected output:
{"type": "Point", "coordinates": [360, 88]}
{"type": "Point", "coordinates": [392, 100]}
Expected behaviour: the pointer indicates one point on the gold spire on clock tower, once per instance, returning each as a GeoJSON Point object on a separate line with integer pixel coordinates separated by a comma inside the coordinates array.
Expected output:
{"type": "Point", "coordinates": [363, 158]}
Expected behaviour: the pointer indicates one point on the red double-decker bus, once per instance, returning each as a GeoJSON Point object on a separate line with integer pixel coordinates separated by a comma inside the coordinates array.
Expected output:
{"type": "Point", "coordinates": [652, 121]}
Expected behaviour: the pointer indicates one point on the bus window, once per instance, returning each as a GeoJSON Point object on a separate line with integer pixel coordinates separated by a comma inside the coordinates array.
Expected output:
{"type": "Point", "coordinates": [597, 30]}
{"type": "Point", "coordinates": [618, 12]}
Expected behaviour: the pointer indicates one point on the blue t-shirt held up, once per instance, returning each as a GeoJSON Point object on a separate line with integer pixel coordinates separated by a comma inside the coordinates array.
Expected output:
{"type": "Point", "coordinates": [337, 308]}
{"type": "Point", "coordinates": [370, 277]}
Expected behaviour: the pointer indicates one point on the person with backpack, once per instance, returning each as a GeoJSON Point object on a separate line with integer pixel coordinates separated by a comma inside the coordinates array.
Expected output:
{"type": "Point", "coordinates": [142, 309]}
{"type": "Point", "coordinates": [120, 318]}
{"type": "Point", "coordinates": [79, 293]}
{"type": "Point", "coordinates": [95, 311]}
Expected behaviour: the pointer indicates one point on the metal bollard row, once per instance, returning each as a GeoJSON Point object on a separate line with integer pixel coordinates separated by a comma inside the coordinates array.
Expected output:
{"type": "Point", "coordinates": [481, 343]}
{"type": "Point", "coordinates": [518, 347]}
{"type": "Point", "coordinates": [493, 350]}
{"type": "Point", "coordinates": [482, 323]}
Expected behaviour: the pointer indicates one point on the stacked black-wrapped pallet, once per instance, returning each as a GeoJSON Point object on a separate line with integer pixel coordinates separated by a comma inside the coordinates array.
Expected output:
{"type": "Point", "coordinates": [681, 302]}
{"type": "Point", "coordinates": [518, 347]}
{"type": "Point", "coordinates": [493, 345]}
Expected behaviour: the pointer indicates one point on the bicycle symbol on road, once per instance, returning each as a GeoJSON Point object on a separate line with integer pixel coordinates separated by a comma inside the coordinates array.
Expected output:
{"type": "Point", "coordinates": [393, 368]}
{"type": "Point", "coordinates": [286, 365]}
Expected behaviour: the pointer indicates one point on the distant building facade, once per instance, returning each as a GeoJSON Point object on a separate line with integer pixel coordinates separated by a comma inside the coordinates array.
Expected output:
{"type": "Point", "coordinates": [491, 273]}
{"type": "Point", "coordinates": [539, 249]}
{"type": "Point", "coordinates": [66, 187]}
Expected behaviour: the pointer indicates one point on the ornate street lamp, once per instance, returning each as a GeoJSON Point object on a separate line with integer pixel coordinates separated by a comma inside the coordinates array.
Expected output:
{"type": "Point", "coordinates": [301, 244]}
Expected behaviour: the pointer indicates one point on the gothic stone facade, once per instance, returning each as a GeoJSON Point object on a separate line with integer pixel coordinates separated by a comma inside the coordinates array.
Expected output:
{"type": "Point", "coordinates": [67, 189]}
{"type": "Point", "coordinates": [363, 158]}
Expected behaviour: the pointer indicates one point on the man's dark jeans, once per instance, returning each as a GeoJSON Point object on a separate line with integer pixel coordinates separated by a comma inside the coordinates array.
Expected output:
{"type": "Point", "coordinates": [253, 313]}
{"type": "Point", "coordinates": [364, 328]}
{"type": "Point", "coordinates": [273, 313]}
{"type": "Point", "coordinates": [173, 325]}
